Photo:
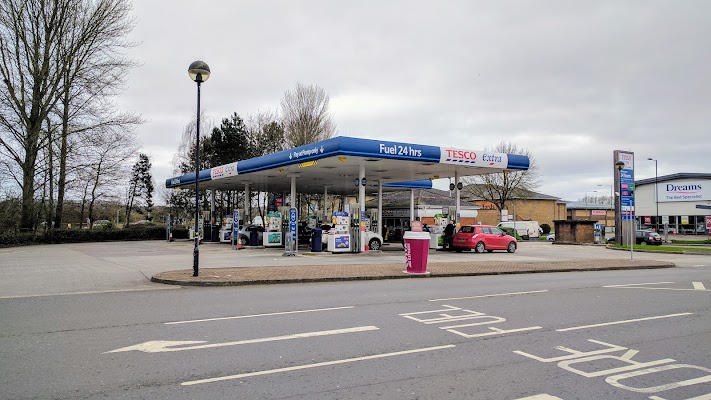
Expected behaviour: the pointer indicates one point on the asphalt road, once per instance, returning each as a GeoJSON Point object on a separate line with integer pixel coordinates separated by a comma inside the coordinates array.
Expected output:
{"type": "Point", "coordinates": [643, 334]}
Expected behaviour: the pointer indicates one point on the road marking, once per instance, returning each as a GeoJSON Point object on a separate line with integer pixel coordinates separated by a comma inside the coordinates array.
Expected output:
{"type": "Point", "coordinates": [160, 346]}
{"type": "Point", "coordinates": [540, 397]}
{"type": "Point", "coordinates": [256, 315]}
{"type": "Point", "coordinates": [698, 286]}
{"type": "Point", "coordinates": [622, 322]}
{"type": "Point", "coordinates": [490, 295]}
{"type": "Point", "coordinates": [697, 266]}
{"type": "Point", "coordinates": [321, 364]}
{"type": "Point", "coordinates": [702, 397]}
{"type": "Point", "coordinates": [638, 284]}
{"type": "Point", "coordinates": [92, 292]}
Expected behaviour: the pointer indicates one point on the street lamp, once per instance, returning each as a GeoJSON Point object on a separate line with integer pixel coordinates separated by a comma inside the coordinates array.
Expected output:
{"type": "Point", "coordinates": [656, 196]}
{"type": "Point", "coordinates": [586, 203]}
{"type": "Point", "coordinates": [199, 71]}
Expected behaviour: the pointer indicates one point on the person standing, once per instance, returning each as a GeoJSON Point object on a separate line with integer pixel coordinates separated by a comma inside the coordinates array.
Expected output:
{"type": "Point", "coordinates": [448, 242]}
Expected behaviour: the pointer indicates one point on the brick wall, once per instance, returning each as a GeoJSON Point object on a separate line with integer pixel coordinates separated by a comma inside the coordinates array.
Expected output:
{"type": "Point", "coordinates": [543, 211]}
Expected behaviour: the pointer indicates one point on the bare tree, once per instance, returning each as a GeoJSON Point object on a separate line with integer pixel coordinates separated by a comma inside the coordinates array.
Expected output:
{"type": "Point", "coordinates": [305, 115]}
{"type": "Point", "coordinates": [107, 160]}
{"type": "Point", "coordinates": [498, 188]}
{"type": "Point", "coordinates": [48, 50]}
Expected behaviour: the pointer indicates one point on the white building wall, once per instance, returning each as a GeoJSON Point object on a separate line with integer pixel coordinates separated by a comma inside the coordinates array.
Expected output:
{"type": "Point", "coordinates": [645, 204]}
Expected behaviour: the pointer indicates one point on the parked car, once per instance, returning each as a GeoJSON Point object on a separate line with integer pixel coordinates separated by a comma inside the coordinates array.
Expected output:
{"type": "Point", "coordinates": [482, 238]}
{"type": "Point", "coordinates": [648, 237]}
{"type": "Point", "coordinates": [551, 237]}
{"type": "Point", "coordinates": [244, 234]}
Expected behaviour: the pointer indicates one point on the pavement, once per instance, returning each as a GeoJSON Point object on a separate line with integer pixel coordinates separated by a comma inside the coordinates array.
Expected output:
{"type": "Point", "coordinates": [370, 271]}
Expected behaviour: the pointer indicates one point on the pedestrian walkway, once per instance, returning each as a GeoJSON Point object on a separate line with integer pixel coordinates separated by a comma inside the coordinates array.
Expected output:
{"type": "Point", "coordinates": [348, 272]}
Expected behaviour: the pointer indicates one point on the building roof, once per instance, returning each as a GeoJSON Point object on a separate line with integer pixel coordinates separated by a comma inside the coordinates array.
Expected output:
{"type": "Point", "coordinates": [672, 177]}
{"type": "Point", "coordinates": [581, 205]}
{"type": "Point", "coordinates": [520, 195]}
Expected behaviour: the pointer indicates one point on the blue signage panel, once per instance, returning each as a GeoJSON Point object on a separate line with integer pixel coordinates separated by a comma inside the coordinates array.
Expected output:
{"type": "Point", "coordinates": [627, 186]}
{"type": "Point", "coordinates": [293, 225]}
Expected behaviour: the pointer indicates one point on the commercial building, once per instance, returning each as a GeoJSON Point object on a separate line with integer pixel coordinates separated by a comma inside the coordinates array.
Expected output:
{"type": "Point", "coordinates": [524, 206]}
{"type": "Point", "coordinates": [682, 201]}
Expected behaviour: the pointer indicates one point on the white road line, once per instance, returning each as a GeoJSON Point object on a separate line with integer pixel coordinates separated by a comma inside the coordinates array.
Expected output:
{"type": "Point", "coordinates": [92, 292]}
{"type": "Point", "coordinates": [490, 295]}
{"type": "Point", "coordinates": [699, 265]}
{"type": "Point", "coordinates": [540, 397]}
{"type": "Point", "coordinates": [160, 346]}
{"type": "Point", "coordinates": [698, 286]}
{"type": "Point", "coordinates": [316, 365]}
{"type": "Point", "coordinates": [257, 315]}
{"type": "Point", "coordinates": [622, 322]}
{"type": "Point", "coordinates": [638, 284]}
{"type": "Point", "coordinates": [664, 288]}
{"type": "Point", "coordinates": [702, 397]}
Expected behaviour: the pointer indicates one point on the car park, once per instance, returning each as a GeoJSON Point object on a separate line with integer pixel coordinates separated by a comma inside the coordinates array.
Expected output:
{"type": "Point", "coordinates": [648, 237]}
{"type": "Point", "coordinates": [482, 238]}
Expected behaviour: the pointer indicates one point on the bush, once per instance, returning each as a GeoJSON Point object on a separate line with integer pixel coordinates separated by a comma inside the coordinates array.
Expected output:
{"type": "Point", "coordinates": [546, 228]}
{"type": "Point", "coordinates": [511, 232]}
{"type": "Point", "coordinates": [83, 235]}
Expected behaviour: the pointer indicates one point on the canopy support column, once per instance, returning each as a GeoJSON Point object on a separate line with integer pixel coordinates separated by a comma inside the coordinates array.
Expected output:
{"type": "Point", "coordinates": [361, 202]}
{"type": "Point", "coordinates": [457, 220]}
{"type": "Point", "coordinates": [380, 209]}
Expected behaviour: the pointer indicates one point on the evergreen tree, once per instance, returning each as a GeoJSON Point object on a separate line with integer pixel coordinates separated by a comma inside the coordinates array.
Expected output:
{"type": "Point", "coordinates": [140, 188]}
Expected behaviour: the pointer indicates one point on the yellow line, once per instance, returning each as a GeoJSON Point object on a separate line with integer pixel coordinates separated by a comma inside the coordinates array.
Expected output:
{"type": "Point", "coordinates": [321, 364]}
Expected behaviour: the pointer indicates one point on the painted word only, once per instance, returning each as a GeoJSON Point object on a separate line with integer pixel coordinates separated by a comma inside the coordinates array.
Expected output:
{"type": "Point", "coordinates": [451, 314]}
{"type": "Point", "coordinates": [574, 362]}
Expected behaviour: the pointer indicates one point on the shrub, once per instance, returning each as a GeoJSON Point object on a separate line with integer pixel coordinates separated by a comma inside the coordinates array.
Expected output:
{"type": "Point", "coordinates": [546, 228]}
{"type": "Point", "coordinates": [511, 232]}
{"type": "Point", "coordinates": [84, 235]}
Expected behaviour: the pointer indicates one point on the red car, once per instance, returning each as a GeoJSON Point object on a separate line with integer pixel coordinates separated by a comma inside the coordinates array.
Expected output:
{"type": "Point", "coordinates": [482, 238]}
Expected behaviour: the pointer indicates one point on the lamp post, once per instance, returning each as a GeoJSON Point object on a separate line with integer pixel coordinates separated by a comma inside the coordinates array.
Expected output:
{"type": "Point", "coordinates": [587, 212]}
{"type": "Point", "coordinates": [656, 196]}
{"type": "Point", "coordinates": [611, 201]}
{"type": "Point", "coordinates": [199, 72]}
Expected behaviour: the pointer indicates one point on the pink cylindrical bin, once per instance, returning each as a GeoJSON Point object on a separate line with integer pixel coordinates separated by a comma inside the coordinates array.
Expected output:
{"type": "Point", "coordinates": [416, 250]}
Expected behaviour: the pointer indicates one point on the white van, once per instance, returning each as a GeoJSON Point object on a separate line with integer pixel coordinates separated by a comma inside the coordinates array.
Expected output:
{"type": "Point", "coordinates": [525, 229]}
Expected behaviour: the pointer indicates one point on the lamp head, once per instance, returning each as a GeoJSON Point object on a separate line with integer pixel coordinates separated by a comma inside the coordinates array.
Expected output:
{"type": "Point", "coordinates": [619, 165]}
{"type": "Point", "coordinates": [199, 71]}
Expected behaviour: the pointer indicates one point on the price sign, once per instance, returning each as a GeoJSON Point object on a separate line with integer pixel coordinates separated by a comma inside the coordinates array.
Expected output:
{"type": "Point", "coordinates": [293, 217]}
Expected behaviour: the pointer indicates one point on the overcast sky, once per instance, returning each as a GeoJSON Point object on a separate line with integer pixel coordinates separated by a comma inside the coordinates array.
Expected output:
{"type": "Point", "coordinates": [569, 80]}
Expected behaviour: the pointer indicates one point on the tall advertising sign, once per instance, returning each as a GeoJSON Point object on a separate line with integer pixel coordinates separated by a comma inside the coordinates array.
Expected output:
{"type": "Point", "coordinates": [627, 185]}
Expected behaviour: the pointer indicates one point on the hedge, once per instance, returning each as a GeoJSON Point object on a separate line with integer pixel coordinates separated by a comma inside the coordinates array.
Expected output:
{"type": "Point", "coordinates": [96, 235]}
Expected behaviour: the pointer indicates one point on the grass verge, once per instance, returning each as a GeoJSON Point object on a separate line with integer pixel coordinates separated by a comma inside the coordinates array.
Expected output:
{"type": "Point", "coordinates": [671, 249]}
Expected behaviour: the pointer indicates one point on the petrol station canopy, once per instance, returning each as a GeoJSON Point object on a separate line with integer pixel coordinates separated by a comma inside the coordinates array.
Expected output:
{"type": "Point", "coordinates": [335, 164]}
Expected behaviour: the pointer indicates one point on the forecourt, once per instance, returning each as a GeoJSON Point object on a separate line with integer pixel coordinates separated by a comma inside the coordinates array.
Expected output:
{"type": "Point", "coordinates": [333, 165]}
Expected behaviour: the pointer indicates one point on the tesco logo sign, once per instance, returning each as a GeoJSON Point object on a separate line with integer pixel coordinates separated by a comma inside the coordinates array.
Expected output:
{"type": "Point", "coordinates": [461, 154]}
